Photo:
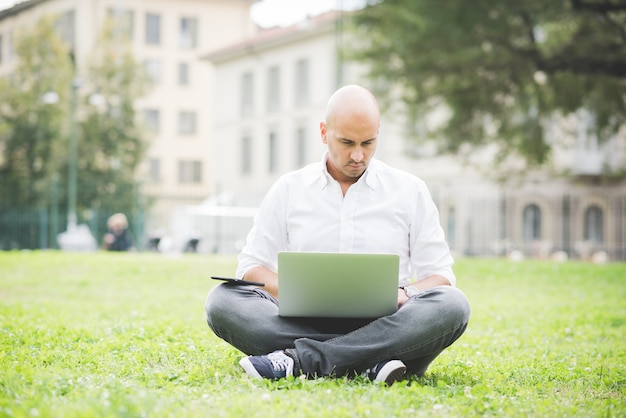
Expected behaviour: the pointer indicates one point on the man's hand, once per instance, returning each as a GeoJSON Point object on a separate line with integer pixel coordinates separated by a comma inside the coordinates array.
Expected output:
{"type": "Point", "coordinates": [426, 283]}
{"type": "Point", "coordinates": [402, 298]}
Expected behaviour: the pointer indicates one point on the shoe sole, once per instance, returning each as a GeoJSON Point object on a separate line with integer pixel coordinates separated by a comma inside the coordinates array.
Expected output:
{"type": "Point", "coordinates": [391, 372]}
{"type": "Point", "coordinates": [249, 368]}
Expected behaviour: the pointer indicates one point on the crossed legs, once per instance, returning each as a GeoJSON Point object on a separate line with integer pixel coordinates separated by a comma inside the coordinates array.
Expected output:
{"type": "Point", "coordinates": [247, 318]}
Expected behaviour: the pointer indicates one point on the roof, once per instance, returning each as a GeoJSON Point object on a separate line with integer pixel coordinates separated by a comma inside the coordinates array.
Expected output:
{"type": "Point", "coordinates": [19, 7]}
{"type": "Point", "coordinates": [277, 36]}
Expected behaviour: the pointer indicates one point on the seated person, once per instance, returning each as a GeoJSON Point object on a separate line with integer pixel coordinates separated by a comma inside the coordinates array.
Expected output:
{"type": "Point", "coordinates": [118, 237]}
{"type": "Point", "coordinates": [353, 203]}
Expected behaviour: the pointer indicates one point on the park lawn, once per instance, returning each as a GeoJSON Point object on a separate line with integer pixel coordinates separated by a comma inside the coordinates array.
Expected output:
{"type": "Point", "coordinates": [124, 335]}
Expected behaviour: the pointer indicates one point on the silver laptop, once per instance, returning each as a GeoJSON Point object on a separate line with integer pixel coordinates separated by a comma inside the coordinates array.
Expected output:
{"type": "Point", "coordinates": [337, 285]}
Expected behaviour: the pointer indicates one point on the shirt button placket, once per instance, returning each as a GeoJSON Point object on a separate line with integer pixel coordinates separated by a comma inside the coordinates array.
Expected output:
{"type": "Point", "coordinates": [346, 243]}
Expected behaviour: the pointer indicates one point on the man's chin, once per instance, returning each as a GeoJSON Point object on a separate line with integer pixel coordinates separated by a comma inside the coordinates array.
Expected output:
{"type": "Point", "coordinates": [354, 172]}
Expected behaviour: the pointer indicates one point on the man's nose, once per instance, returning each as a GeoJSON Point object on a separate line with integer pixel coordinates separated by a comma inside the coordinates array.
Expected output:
{"type": "Point", "coordinates": [357, 155]}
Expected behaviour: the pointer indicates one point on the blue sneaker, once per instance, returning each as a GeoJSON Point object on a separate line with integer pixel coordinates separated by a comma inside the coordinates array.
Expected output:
{"type": "Point", "coordinates": [273, 366]}
{"type": "Point", "coordinates": [389, 371]}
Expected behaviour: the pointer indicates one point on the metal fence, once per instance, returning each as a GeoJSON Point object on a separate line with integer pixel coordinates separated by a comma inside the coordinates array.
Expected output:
{"type": "Point", "coordinates": [31, 228]}
{"type": "Point", "coordinates": [476, 227]}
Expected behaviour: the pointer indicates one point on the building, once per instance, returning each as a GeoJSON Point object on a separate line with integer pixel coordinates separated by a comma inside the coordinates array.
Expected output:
{"type": "Point", "coordinates": [271, 91]}
{"type": "Point", "coordinates": [167, 36]}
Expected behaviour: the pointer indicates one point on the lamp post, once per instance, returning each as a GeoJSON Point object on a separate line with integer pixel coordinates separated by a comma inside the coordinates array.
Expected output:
{"type": "Point", "coordinates": [73, 156]}
{"type": "Point", "coordinates": [76, 237]}
{"type": "Point", "coordinates": [52, 98]}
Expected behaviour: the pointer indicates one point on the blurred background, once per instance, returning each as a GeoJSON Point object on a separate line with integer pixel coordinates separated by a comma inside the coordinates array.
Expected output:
{"type": "Point", "coordinates": [180, 114]}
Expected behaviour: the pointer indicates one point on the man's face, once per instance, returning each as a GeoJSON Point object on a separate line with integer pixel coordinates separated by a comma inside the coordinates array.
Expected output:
{"type": "Point", "coordinates": [351, 145]}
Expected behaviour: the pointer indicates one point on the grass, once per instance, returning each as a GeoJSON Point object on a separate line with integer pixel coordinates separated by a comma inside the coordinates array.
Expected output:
{"type": "Point", "coordinates": [123, 335]}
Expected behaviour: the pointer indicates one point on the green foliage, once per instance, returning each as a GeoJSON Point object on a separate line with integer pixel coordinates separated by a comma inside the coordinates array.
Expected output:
{"type": "Point", "coordinates": [110, 135]}
{"type": "Point", "coordinates": [124, 335]}
{"type": "Point", "coordinates": [36, 136]}
{"type": "Point", "coordinates": [503, 70]}
{"type": "Point", "coordinates": [30, 128]}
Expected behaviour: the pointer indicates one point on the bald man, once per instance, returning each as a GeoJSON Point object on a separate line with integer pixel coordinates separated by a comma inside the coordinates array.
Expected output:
{"type": "Point", "coordinates": [386, 211]}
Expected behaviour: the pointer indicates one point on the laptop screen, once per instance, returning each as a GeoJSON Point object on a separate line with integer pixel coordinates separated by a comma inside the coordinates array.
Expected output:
{"type": "Point", "coordinates": [337, 285]}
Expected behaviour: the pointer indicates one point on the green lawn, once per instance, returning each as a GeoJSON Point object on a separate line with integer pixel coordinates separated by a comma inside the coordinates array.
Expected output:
{"type": "Point", "coordinates": [123, 335]}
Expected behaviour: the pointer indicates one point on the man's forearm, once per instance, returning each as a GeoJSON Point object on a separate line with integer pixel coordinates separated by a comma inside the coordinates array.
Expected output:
{"type": "Point", "coordinates": [266, 276]}
{"type": "Point", "coordinates": [431, 281]}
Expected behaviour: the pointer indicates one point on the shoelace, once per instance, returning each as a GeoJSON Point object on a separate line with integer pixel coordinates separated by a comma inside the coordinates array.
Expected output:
{"type": "Point", "coordinates": [281, 362]}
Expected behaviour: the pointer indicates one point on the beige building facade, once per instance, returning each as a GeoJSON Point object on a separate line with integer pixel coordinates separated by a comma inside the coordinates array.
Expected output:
{"type": "Point", "coordinates": [167, 37]}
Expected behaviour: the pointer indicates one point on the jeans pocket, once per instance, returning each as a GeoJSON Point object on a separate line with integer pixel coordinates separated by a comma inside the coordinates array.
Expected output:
{"type": "Point", "coordinates": [266, 295]}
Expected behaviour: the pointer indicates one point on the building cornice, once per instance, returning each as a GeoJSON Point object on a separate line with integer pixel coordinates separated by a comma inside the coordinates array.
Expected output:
{"type": "Point", "coordinates": [19, 8]}
{"type": "Point", "coordinates": [27, 4]}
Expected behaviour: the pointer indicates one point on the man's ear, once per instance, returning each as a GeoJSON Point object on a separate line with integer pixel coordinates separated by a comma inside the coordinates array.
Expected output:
{"type": "Point", "coordinates": [323, 132]}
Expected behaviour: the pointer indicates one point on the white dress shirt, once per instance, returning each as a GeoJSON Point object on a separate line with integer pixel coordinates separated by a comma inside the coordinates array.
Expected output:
{"type": "Point", "coordinates": [386, 211]}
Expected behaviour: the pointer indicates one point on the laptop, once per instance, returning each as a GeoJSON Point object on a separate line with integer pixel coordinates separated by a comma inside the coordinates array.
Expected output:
{"type": "Point", "coordinates": [337, 285]}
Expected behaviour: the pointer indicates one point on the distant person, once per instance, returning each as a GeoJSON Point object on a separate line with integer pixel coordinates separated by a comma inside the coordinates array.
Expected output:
{"type": "Point", "coordinates": [192, 245]}
{"type": "Point", "coordinates": [118, 236]}
{"type": "Point", "coordinates": [348, 202]}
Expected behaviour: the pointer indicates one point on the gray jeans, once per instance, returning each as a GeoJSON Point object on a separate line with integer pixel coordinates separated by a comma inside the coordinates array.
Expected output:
{"type": "Point", "coordinates": [247, 318]}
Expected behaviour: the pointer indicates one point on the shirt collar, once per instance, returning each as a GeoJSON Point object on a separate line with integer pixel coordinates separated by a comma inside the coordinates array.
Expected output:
{"type": "Point", "coordinates": [370, 176]}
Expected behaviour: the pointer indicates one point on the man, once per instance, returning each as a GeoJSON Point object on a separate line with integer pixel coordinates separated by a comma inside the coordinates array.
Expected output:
{"type": "Point", "coordinates": [348, 202]}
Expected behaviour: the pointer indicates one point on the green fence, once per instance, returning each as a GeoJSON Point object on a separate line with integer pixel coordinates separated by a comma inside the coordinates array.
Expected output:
{"type": "Point", "coordinates": [31, 228]}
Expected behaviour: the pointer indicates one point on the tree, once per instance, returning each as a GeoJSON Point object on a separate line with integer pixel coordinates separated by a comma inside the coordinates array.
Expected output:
{"type": "Point", "coordinates": [34, 137]}
{"type": "Point", "coordinates": [112, 143]}
{"type": "Point", "coordinates": [504, 70]}
{"type": "Point", "coordinates": [30, 128]}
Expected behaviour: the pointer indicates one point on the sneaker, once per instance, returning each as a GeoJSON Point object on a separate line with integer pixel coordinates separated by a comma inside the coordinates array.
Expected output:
{"type": "Point", "coordinates": [274, 365]}
{"type": "Point", "coordinates": [389, 371]}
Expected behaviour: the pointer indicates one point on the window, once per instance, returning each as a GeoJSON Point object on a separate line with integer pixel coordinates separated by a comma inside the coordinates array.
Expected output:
{"type": "Point", "coordinates": [188, 33]}
{"type": "Point", "coordinates": [594, 224]}
{"type": "Point", "coordinates": [273, 89]}
{"type": "Point", "coordinates": [152, 120]}
{"type": "Point", "coordinates": [301, 146]}
{"type": "Point", "coordinates": [153, 68]}
{"type": "Point", "coordinates": [531, 223]}
{"type": "Point", "coordinates": [247, 94]}
{"type": "Point", "coordinates": [189, 172]}
{"type": "Point", "coordinates": [155, 170]}
{"type": "Point", "coordinates": [302, 83]}
{"type": "Point", "coordinates": [246, 155]}
{"type": "Point", "coordinates": [66, 28]}
{"type": "Point", "coordinates": [183, 74]}
{"type": "Point", "coordinates": [187, 123]}
{"type": "Point", "coordinates": [153, 29]}
{"type": "Point", "coordinates": [123, 23]}
{"type": "Point", "coordinates": [273, 152]}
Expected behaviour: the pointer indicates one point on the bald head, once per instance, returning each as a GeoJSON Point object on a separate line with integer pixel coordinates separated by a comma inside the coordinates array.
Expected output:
{"type": "Point", "coordinates": [352, 102]}
{"type": "Point", "coordinates": [351, 132]}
